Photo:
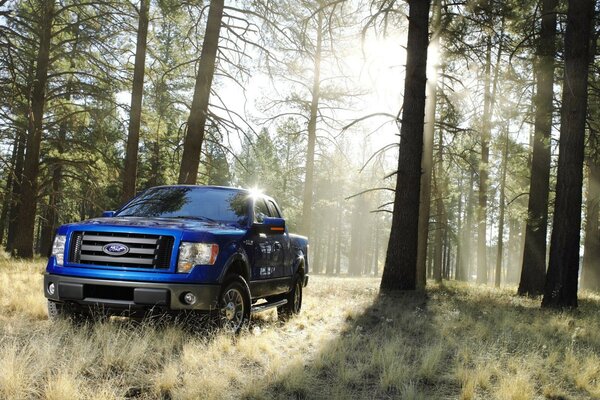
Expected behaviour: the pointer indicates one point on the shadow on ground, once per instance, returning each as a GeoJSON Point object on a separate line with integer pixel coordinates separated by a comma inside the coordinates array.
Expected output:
{"type": "Point", "coordinates": [452, 342]}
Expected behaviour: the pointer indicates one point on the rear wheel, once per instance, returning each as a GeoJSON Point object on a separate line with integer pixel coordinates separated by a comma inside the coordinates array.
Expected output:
{"type": "Point", "coordinates": [294, 299]}
{"type": "Point", "coordinates": [234, 305]}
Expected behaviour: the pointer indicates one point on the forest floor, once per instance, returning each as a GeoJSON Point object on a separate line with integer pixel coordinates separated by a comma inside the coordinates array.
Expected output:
{"type": "Point", "coordinates": [454, 341]}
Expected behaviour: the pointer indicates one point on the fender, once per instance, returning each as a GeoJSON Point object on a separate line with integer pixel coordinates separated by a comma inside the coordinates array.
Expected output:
{"type": "Point", "coordinates": [238, 257]}
{"type": "Point", "coordinates": [298, 262]}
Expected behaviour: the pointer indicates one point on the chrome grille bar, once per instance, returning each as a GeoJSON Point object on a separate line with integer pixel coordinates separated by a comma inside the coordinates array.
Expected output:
{"type": "Point", "coordinates": [145, 251]}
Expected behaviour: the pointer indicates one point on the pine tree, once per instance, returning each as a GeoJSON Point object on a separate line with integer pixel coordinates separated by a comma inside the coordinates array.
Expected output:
{"type": "Point", "coordinates": [563, 269]}
{"type": "Point", "coordinates": [401, 259]}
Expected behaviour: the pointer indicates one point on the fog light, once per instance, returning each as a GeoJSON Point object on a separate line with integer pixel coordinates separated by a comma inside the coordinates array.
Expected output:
{"type": "Point", "coordinates": [189, 298]}
{"type": "Point", "coordinates": [51, 289]}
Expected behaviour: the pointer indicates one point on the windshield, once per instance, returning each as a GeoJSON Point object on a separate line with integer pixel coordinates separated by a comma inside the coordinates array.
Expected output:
{"type": "Point", "coordinates": [221, 205]}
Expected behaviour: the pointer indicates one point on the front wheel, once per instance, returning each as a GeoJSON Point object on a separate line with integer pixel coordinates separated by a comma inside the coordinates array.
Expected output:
{"type": "Point", "coordinates": [55, 310]}
{"type": "Point", "coordinates": [294, 299]}
{"type": "Point", "coordinates": [75, 314]}
{"type": "Point", "coordinates": [234, 305]}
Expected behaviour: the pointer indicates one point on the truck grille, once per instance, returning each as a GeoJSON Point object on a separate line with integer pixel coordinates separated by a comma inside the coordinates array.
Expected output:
{"type": "Point", "coordinates": [145, 251]}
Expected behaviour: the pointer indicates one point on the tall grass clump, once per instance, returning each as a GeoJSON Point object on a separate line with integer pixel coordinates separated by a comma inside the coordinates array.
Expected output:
{"type": "Point", "coordinates": [453, 341]}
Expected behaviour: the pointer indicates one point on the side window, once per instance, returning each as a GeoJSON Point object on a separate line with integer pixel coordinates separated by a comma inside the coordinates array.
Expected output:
{"type": "Point", "coordinates": [260, 210]}
{"type": "Point", "coordinates": [273, 209]}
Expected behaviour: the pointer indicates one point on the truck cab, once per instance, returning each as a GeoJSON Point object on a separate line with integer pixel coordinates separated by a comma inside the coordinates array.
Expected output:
{"type": "Point", "coordinates": [180, 248]}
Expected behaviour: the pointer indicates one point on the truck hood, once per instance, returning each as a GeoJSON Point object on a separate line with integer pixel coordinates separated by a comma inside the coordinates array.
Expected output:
{"type": "Point", "coordinates": [160, 223]}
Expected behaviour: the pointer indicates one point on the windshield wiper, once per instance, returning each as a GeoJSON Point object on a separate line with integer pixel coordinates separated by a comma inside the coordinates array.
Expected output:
{"type": "Point", "coordinates": [199, 218]}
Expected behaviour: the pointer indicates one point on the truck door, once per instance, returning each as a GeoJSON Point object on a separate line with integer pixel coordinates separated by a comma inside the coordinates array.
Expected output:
{"type": "Point", "coordinates": [262, 247]}
{"type": "Point", "coordinates": [282, 261]}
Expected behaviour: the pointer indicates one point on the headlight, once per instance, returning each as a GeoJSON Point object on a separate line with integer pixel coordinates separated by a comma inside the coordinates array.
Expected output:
{"type": "Point", "coordinates": [191, 254]}
{"type": "Point", "coordinates": [58, 249]}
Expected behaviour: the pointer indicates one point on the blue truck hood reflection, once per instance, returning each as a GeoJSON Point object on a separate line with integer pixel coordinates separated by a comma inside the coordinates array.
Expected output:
{"type": "Point", "coordinates": [163, 223]}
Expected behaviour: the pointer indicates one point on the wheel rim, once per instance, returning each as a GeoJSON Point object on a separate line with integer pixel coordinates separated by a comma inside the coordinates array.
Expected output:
{"type": "Point", "coordinates": [297, 297]}
{"type": "Point", "coordinates": [232, 310]}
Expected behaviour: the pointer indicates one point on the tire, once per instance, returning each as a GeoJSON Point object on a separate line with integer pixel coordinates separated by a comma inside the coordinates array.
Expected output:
{"type": "Point", "coordinates": [234, 305]}
{"type": "Point", "coordinates": [75, 314]}
{"type": "Point", "coordinates": [294, 299]}
{"type": "Point", "coordinates": [55, 310]}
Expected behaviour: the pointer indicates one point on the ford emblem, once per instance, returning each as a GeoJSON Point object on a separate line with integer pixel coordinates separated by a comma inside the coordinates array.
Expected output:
{"type": "Point", "coordinates": [115, 249]}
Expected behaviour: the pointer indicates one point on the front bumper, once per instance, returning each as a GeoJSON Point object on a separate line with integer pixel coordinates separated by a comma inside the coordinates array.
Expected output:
{"type": "Point", "coordinates": [130, 295]}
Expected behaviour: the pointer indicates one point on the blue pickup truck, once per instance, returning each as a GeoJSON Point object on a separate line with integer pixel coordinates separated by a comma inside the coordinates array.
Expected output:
{"type": "Point", "coordinates": [213, 249]}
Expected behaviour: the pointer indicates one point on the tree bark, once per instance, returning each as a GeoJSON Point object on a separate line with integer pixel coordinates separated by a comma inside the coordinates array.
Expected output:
{"type": "Point", "coordinates": [563, 269]}
{"type": "Point", "coordinates": [192, 145]}
{"type": "Point", "coordinates": [401, 258]}
{"type": "Point", "coordinates": [307, 202]}
{"type": "Point", "coordinates": [135, 115]}
{"type": "Point", "coordinates": [23, 246]}
{"type": "Point", "coordinates": [533, 269]}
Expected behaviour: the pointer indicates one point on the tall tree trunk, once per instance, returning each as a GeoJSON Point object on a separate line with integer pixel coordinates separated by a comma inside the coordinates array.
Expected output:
{"type": "Point", "coordinates": [533, 269]}
{"type": "Point", "coordinates": [23, 246]}
{"type": "Point", "coordinates": [307, 202]}
{"type": "Point", "coordinates": [458, 272]}
{"type": "Point", "coordinates": [438, 252]}
{"type": "Point", "coordinates": [330, 249]}
{"type": "Point", "coordinates": [376, 255]}
{"type": "Point", "coordinates": [500, 246]}
{"type": "Point", "coordinates": [135, 115]}
{"type": "Point", "coordinates": [192, 145]}
{"type": "Point", "coordinates": [590, 278]}
{"type": "Point", "coordinates": [356, 239]}
{"type": "Point", "coordinates": [15, 191]}
{"type": "Point", "coordinates": [400, 271]}
{"type": "Point", "coordinates": [9, 184]}
{"type": "Point", "coordinates": [336, 237]}
{"type": "Point", "coordinates": [514, 254]}
{"type": "Point", "coordinates": [427, 160]}
{"type": "Point", "coordinates": [430, 258]}
{"type": "Point", "coordinates": [484, 170]}
{"type": "Point", "coordinates": [447, 256]}
{"type": "Point", "coordinates": [490, 89]}
{"type": "Point", "coordinates": [468, 239]}
{"type": "Point", "coordinates": [317, 259]}
{"type": "Point", "coordinates": [51, 221]}
{"type": "Point", "coordinates": [338, 251]}
{"type": "Point", "coordinates": [563, 269]}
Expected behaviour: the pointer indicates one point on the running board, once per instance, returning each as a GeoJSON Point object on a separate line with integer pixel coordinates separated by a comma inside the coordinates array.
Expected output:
{"type": "Point", "coordinates": [268, 306]}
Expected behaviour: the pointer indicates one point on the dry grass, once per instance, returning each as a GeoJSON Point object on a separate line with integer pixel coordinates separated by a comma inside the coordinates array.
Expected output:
{"type": "Point", "coordinates": [453, 342]}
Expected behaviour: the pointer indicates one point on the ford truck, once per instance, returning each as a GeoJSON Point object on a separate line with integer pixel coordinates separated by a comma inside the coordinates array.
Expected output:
{"type": "Point", "coordinates": [201, 249]}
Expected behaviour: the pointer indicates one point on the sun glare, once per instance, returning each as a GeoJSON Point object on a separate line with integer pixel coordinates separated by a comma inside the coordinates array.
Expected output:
{"type": "Point", "coordinates": [255, 191]}
{"type": "Point", "coordinates": [378, 65]}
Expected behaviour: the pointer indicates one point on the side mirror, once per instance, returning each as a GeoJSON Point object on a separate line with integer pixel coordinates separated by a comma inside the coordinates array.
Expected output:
{"type": "Point", "coordinates": [108, 214]}
{"type": "Point", "coordinates": [272, 225]}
